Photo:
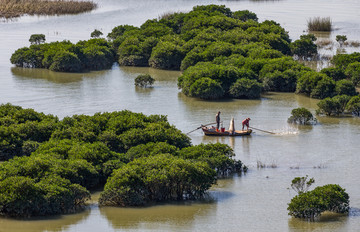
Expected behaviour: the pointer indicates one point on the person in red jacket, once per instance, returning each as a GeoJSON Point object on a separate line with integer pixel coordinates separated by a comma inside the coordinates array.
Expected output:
{"type": "Point", "coordinates": [245, 123]}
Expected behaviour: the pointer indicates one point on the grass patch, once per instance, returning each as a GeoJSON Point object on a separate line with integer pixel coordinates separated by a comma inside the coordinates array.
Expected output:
{"type": "Point", "coordinates": [352, 43]}
{"type": "Point", "coordinates": [319, 24]}
{"type": "Point", "coordinates": [261, 164]}
{"type": "Point", "coordinates": [17, 8]}
{"type": "Point", "coordinates": [324, 43]}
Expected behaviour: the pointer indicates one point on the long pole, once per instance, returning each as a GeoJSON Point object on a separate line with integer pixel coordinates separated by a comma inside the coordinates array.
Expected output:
{"type": "Point", "coordinates": [262, 130]}
{"type": "Point", "coordinates": [201, 127]}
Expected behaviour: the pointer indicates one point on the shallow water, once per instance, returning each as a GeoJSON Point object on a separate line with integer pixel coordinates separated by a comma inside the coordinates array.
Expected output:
{"type": "Point", "coordinates": [257, 201]}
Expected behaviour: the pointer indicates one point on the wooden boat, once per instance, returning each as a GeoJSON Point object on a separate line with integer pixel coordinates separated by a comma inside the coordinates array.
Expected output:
{"type": "Point", "coordinates": [212, 131]}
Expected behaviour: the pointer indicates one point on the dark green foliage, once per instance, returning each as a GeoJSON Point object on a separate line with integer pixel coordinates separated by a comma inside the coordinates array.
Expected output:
{"type": "Point", "coordinates": [65, 61]}
{"type": "Point", "coordinates": [309, 81]}
{"type": "Point", "coordinates": [345, 87]}
{"type": "Point", "coordinates": [343, 60]}
{"type": "Point", "coordinates": [353, 72]}
{"type": "Point", "coordinates": [332, 106]}
{"type": "Point", "coordinates": [311, 204]}
{"type": "Point", "coordinates": [327, 106]}
{"type": "Point", "coordinates": [65, 157]}
{"type": "Point", "coordinates": [311, 37]}
{"type": "Point", "coordinates": [207, 32]}
{"type": "Point", "coordinates": [324, 88]}
{"type": "Point", "coordinates": [342, 101]}
{"type": "Point", "coordinates": [166, 55]}
{"type": "Point", "coordinates": [96, 34]}
{"type": "Point", "coordinates": [37, 39]}
{"type": "Point", "coordinates": [304, 47]}
{"type": "Point", "coordinates": [157, 178]}
{"type": "Point", "coordinates": [353, 105]}
{"type": "Point", "coordinates": [222, 76]}
{"type": "Point", "coordinates": [119, 31]}
{"type": "Point", "coordinates": [217, 155]}
{"type": "Point", "coordinates": [245, 88]}
{"type": "Point", "coordinates": [24, 197]}
{"type": "Point", "coordinates": [245, 15]}
{"type": "Point", "coordinates": [144, 80]}
{"type": "Point", "coordinates": [22, 129]}
{"type": "Point", "coordinates": [335, 73]}
{"type": "Point", "coordinates": [150, 149]}
{"type": "Point", "coordinates": [206, 88]}
{"type": "Point", "coordinates": [301, 116]}
{"type": "Point", "coordinates": [94, 54]}
{"type": "Point", "coordinates": [280, 81]}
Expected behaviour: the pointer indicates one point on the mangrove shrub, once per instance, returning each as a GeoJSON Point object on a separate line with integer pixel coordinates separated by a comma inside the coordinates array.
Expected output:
{"type": "Point", "coordinates": [301, 116]}
{"type": "Point", "coordinates": [311, 204]}
{"type": "Point", "coordinates": [157, 178]}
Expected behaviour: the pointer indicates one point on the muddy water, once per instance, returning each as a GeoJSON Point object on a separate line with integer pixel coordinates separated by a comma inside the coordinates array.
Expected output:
{"type": "Point", "coordinates": [329, 151]}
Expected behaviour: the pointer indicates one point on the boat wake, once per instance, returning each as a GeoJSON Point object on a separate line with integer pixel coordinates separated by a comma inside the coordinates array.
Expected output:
{"type": "Point", "coordinates": [287, 131]}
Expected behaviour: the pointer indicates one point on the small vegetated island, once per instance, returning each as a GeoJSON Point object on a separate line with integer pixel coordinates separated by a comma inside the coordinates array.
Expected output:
{"type": "Point", "coordinates": [310, 204]}
{"type": "Point", "coordinates": [51, 165]}
{"type": "Point", "coordinates": [17, 8]}
{"type": "Point", "coordinates": [221, 53]}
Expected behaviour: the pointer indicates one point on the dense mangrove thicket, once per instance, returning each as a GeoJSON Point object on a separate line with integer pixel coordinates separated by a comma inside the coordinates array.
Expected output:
{"type": "Point", "coordinates": [157, 178]}
{"type": "Point", "coordinates": [222, 54]}
{"type": "Point", "coordinates": [93, 54]}
{"type": "Point", "coordinates": [17, 8]}
{"type": "Point", "coordinates": [52, 164]}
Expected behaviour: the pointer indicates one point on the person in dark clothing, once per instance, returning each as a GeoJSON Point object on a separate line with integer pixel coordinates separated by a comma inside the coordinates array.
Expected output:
{"type": "Point", "coordinates": [217, 120]}
{"type": "Point", "coordinates": [245, 123]}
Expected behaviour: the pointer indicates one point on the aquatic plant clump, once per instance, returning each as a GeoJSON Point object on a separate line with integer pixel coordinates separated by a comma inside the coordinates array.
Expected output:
{"type": "Point", "coordinates": [319, 24]}
{"type": "Point", "coordinates": [17, 8]}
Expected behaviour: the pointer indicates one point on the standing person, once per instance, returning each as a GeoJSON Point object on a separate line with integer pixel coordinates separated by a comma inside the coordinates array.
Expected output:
{"type": "Point", "coordinates": [217, 118]}
{"type": "Point", "coordinates": [245, 123]}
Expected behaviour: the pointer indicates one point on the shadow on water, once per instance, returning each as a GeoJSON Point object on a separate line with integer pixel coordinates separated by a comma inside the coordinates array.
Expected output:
{"type": "Point", "coordinates": [326, 222]}
{"type": "Point", "coordinates": [179, 215]}
{"type": "Point", "coordinates": [56, 77]}
{"type": "Point", "coordinates": [40, 224]}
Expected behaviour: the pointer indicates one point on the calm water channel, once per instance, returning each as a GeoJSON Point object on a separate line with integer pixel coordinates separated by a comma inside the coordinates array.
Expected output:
{"type": "Point", "coordinates": [329, 151]}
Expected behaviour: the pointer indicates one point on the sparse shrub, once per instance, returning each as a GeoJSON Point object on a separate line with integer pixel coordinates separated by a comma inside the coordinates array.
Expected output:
{"type": "Point", "coordinates": [341, 39]}
{"type": "Point", "coordinates": [301, 184]}
{"type": "Point", "coordinates": [144, 80]}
